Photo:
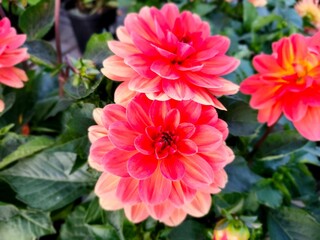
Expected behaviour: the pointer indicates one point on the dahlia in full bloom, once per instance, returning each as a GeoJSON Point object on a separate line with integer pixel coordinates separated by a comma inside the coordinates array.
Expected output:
{"type": "Point", "coordinates": [11, 54]}
{"type": "Point", "coordinates": [288, 82]}
{"type": "Point", "coordinates": [309, 9]}
{"type": "Point", "coordinates": [159, 158]}
{"type": "Point", "coordinates": [232, 230]}
{"type": "Point", "coordinates": [169, 55]}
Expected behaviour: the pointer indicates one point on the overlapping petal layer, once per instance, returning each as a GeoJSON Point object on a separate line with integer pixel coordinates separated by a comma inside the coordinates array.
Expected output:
{"type": "Point", "coordinates": [11, 54]}
{"type": "Point", "coordinates": [170, 55]}
{"type": "Point", "coordinates": [159, 158]}
{"type": "Point", "coordinates": [288, 82]}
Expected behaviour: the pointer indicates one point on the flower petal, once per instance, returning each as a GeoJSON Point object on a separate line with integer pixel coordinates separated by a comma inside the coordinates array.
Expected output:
{"type": "Point", "coordinates": [181, 194]}
{"type": "Point", "coordinates": [142, 166]}
{"type": "Point", "coordinates": [187, 147]}
{"type": "Point", "coordinates": [155, 189]}
{"type": "Point", "coordinates": [309, 126]}
{"type": "Point", "coordinates": [144, 144]}
{"type": "Point", "coordinates": [200, 205]}
{"type": "Point", "coordinates": [112, 113]}
{"type": "Point", "coordinates": [122, 135]}
{"type": "Point", "coordinates": [178, 89]}
{"type": "Point", "coordinates": [165, 69]}
{"type": "Point", "coordinates": [115, 162]}
{"type": "Point", "coordinates": [207, 138]}
{"type": "Point", "coordinates": [123, 94]}
{"type": "Point", "coordinates": [127, 191]}
{"type": "Point", "coordinates": [176, 217]}
{"type": "Point", "coordinates": [136, 213]}
{"type": "Point", "coordinates": [137, 116]}
{"type": "Point", "coordinates": [172, 168]}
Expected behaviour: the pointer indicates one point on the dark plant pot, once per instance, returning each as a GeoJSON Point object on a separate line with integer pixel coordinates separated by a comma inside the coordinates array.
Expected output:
{"type": "Point", "coordinates": [84, 25]}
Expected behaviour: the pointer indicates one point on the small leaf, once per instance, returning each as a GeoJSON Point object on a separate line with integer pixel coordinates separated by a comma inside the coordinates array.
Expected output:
{"type": "Point", "coordinates": [249, 14]}
{"type": "Point", "coordinates": [42, 53]}
{"type": "Point", "coordinates": [241, 178]}
{"type": "Point", "coordinates": [292, 224]}
{"type": "Point", "coordinates": [44, 181]}
{"type": "Point", "coordinates": [267, 194]}
{"type": "Point", "coordinates": [23, 224]}
{"type": "Point", "coordinates": [97, 49]}
{"type": "Point", "coordinates": [37, 20]}
{"type": "Point", "coordinates": [34, 145]}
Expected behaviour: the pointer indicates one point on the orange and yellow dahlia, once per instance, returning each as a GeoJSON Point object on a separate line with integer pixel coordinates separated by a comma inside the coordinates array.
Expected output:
{"type": "Point", "coordinates": [288, 82]}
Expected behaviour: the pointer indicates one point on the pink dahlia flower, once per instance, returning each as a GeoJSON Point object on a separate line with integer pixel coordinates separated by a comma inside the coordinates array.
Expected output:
{"type": "Point", "coordinates": [159, 158]}
{"type": "Point", "coordinates": [288, 82]}
{"type": "Point", "coordinates": [11, 54]}
{"type": "Point", "coordinates": [169, 55]}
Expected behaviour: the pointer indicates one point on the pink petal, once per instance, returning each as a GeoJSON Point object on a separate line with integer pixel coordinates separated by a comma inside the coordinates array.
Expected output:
{"type": "Point", "coordinates": [171, 12]}
{"type": "Point", "coordinates": [141, 166]}
{"type": "Point", "coordinates": [200, 205]}
{"type": "Point", "coordinates": [106, 183]}
{"type": "Point", "coordinates": [2, 105]}
{"type": "Point", "coordinates": [172, 120]}
{"type": "Point", "coordinates": [309, 126]}
{"type": "Point", "coordinates": [98, 149]}
{"type": "Point", "coordinates": [300, 45]}
{"type": "Point", "coordinates": [137, 117]}
{"type": "Point", "coordinates": [204, 80]}
{"type": "Point", "coordinates": [123, 35]}
{"type": "Point", "coordinates": [127, 191]}
{"type": "Point", "coordinates": [175, 218]}
{"type": "Point", "coordinates": [228, 88]}
{"type": "Point", "coordinates": [158, 112]}
{"type": "Point", "coordinates": [220, 65]}
{"type": "Point", "coordinates": [198, 174]}
{"type": "Point", "coordinates": [184, 50]}
{"type": "Point", "coordinates": [165, 69]}
{"type": "Point", "coordinates": [209, 116]}
{"type": "Point", "coordinates": [264, 63]}
{"type": "Point", "coordinates": [123, 95]}
{"type": "Point", "coordinates": [190, 111]}
{"type": "Point", "coordinates": [122, 49]}
{"type": "Point", "coordinates": [207, 138]}
{"type": "Point", "coordinates": [263, 98]}
{"type": "Point", "coordinates": [12, 57]}
{"type": "Point", "coordinates": [110, 202]}
{"type": "Point", "coordinates": [285, 53]}
{"type": "Point", "coordinates": [203, 96]}
{"type": "Point", "coordinates": [178, 89]}
{"type": "Point", "coordinates": [185, 130]}
{"type": "Point", "coordinates": [161, 211]}
{"type": "Point", "coordinates": [270, 114]}
{"type": "Point", "coordinates": [20, 73]}
{"type": "Point", "coordinates": [181, 194]}
{"type": "Point", "coordinates": [115, 162]}
{"type": "Point", "coordinates": [122, 135]}
{"type": "Point", "coordinates": [187, 147]}
{"type": "Point", "coordinates": [294, 108]}
{"type": "Point", "coordinates": [140, 84]}
{"type": "Point", "coordinates": [144, 145]}
{"type": "Point", "coordinates": [115, 69]}
{"type": "Point", "coordinates": [9, 77]}
{"type": "Point", "coordinates": [141, 64]}
{"type": "Point", "coordinates": [97, 115]}
{"type": "Point", "coordinates": [113, 113]}
{"type": "Point", "coordinates": [95, 132]}
{"type": "Point", "coordinates": [136, 213]}
{"type": "Point", "coordinates": [172, 168]}
{"type": "Point", "coordinates": [219, 158]}
{"type": "Point", "coordinates": [155, 189]}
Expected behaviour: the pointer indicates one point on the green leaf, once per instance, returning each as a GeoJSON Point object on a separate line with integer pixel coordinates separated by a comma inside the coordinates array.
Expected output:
{"type": "Point", "coordinates": [249, 14]}
{"type": "Point", "coordinates": [267, 194]}
{"type": "Point", "coordinates": [76, 228]}
{"type": "Point", "coordinates": [97, 49]}
{"type": "Point", "coordinates": [280, 144]}
{"type": "Point", "coordinates": [292, 224]}
{"type": "Point", "coordinates": [241, 119]}
{"type": "Point", "coordinates": [42, 53]}
{"type": "Point", "coordinates": [23, 224]}
{"type": "Point", "coordinates": [240, 177]}
{"type": "Point", "coordinates": [37, 20]}
{"type": "Point", "coordinates": [10, 143]}
{"type": "Point", "coordinates": [262, 21]}
{"type": "Point", "coordinates": [9, 100]}
{"type": "Point", "coordinates": [34, 145]}
{"type": "Point", "coordinates": [81, 91]}
{"type": "Point", "coordinates": [188, 230]}
{"type": "Point", "coordinates": [45, 182]}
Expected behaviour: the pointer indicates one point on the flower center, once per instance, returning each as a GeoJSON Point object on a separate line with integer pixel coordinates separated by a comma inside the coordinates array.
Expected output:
{"type": "Point", "coordinates": [165, 144]}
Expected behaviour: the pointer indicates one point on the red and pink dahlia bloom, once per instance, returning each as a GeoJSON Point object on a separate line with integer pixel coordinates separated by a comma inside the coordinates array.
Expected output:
{"type": "Point", "coordinates": [159, 158]}
{"type": "Point", "coordinates": [11, 54]}
{"type": "Point", "coordinates": [169, 55]}
{"type": "Point", "coordinates": [288, 82]}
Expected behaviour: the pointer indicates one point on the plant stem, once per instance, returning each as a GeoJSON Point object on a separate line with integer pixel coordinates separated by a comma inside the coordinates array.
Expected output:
{"type": "Point", "coordinates": [61, 77]}
{"type": "Point", "coordinates": [259, 143]}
